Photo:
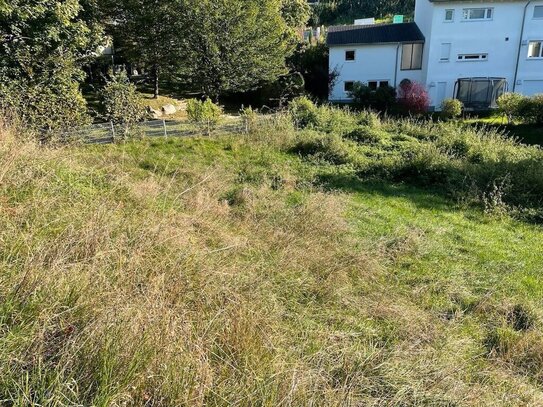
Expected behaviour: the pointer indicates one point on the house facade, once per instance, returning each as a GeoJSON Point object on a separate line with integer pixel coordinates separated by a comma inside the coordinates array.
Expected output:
{"type": "Point", "coordinates": [470, 50]}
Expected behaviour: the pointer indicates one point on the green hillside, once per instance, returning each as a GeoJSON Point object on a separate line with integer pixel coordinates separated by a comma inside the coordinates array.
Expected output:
{"type": "Point", "coordinates": [282, 267]}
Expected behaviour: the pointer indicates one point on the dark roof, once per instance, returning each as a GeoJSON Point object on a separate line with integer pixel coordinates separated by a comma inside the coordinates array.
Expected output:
{"type": "Point", "coordinates": [374, 34]}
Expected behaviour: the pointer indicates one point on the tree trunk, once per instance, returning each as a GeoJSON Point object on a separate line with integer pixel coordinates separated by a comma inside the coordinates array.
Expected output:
{"type": "Point", "coordinates": [155, 78]}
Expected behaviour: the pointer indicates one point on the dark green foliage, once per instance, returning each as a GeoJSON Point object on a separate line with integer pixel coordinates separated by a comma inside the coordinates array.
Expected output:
{"type": "Point", "coordinates": [380, 99]}
{"type": "Point", "coordinates": [234, 45]}
{"type": "Point", "coordinates": [330, 12]}
{"type": "Point", "coordinates": [148, 33]}
{"type": "Point", "coordinates": [312, 62]}
{"type": "Point", "coordinates": [43, 45]}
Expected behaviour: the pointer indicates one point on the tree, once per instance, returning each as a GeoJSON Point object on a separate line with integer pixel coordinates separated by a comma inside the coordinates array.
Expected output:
{"type": "Point", "coordinates": [121, 102]}
{"type": "Point", "coordinates": [147, 32]}
{"type": "Point", "coordinates": [413, 97]}
{"type": "Point", "coordinates": [43, 44]}
{"type": "Point", "coordinates": [312, 62]}
{"type": "Point", "coordinates": [295, 12]}
{"type": "Point", "coordinates": [234, 45]}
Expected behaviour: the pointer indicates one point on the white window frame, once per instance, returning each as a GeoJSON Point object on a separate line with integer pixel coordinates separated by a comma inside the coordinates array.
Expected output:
{"type": "Point", "coordinates": [540, 50]}
{"type": "Point", "coordinates": [481, 57]}
{"type": "Point", "coordinates": [537, 18]}
{"type": "Point", "coordinates": [350, 60]}
{"type": "Point", "coordinates": [485, 18]}
{"type": "Point", "coordinates": [452, 16]}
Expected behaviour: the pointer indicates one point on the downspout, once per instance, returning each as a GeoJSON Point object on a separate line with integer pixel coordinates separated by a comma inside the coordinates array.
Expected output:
{"type": "Point", "coordinates": [520, 44]}
{"type": "Point", "coordinates": [396, 67]}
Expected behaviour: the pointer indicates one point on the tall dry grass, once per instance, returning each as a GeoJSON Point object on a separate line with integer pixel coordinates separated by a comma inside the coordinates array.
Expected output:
{"type": "Point", "coordinates": [125, 287]}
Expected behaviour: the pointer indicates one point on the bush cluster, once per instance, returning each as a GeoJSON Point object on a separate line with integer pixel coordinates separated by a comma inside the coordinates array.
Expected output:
{"type": "Point", "coordinates": [451, 108]}
{"type": "Point", "coordinates": [463, 161]}
{"type": "Point", "coordinates": [517, 107]}
{"type": "Point", "coordinates": [121, 102]}
{"type": "Point", "coordinates": [205, 114]}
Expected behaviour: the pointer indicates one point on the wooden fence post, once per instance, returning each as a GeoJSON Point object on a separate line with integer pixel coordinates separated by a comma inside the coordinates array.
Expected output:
{"type": "Point", "coordinates": [112, 131]}
{"type": "Point", "coordinates": [165, 131]}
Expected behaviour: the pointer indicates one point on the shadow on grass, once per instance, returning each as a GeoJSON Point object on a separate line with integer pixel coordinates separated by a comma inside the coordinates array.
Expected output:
{"type": "Point", "coordinates": [530, 134]}
{"type": "Point", "coordinates": [423, 198]}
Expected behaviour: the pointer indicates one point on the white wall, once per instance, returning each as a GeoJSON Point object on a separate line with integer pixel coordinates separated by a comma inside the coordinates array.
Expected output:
{"type": "Point", "coordinates": [530, 72]}
{"type": "Point", "coordinates": [372, 63]}
{"type": "Point", "coordinates": [498, 37]}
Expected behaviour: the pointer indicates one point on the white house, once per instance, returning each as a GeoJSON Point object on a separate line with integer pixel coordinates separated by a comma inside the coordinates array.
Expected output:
{"type": "Point", "coordinates": [470, 50]}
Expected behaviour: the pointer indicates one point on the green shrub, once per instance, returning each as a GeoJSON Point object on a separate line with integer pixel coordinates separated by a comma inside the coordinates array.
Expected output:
{"type": "Point", "coordinates": [380, 99]}
{"type": "Point", "coordinates": [369, 118]}
{"type": "Point", "coordinates": [249, 117]}
{"type": "Point", "coordinates": [121, 101]}
{"type": "Point", "coordinates": [512, 106]}
{"type": "Point", "coordinates": [330, 148]}
{"type": "Point", "coordinates": [533, 109]}
{"type": "Point", "coordinates": [205, 114]}
{"type": "Point", "coordinates": [451, 108]}
{"type": "Point", "coordinates": [366, 134]}
{"type": "Point", "coordinates": [45, 107]}
{"type": "Point", "coordinates": [303, 111]}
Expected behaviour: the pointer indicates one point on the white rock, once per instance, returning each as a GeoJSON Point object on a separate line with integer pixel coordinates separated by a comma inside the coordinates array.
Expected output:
{"type": "Point", "coordinates": [169, 109]}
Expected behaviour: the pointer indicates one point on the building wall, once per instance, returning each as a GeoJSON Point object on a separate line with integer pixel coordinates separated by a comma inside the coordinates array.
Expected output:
{"type": "Point", "coordinates": [530, 72]}
{"type": "Point", "coordinates": [498, 37]}
{"type": "Point", "coordinates": [372, 63]}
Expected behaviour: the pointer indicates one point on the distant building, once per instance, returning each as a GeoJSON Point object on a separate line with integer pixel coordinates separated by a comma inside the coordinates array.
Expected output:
{"type": "Point", "coordinates": [473, 51]}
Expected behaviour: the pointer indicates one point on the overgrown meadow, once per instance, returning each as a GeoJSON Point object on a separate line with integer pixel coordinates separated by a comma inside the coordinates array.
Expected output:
{"type": "Point", "coordinates": [321, 258]}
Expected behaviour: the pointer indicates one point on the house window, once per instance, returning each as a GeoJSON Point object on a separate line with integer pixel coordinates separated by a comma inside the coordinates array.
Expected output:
{"type": "Point", "coordinates": [348, 86]}
{"type": "Point", "coordinates": [538, 12]}
{"type": "Point", "coordinates": [349, 55]}
{"type": "Point", "coordinates": [374, 85]}
{"type": "Point", "coordinates": [472, 57]}
{"type": "Point", "coordinates": [478, 14]}
{"type": "Point", "coordinates": [445, 52]}
{"type": "Point", "coordinates": [449, 15]}
{"type": "Point", "coordinates": [535, 49]}
{"type": "Point", "coordinates": [411, 56]}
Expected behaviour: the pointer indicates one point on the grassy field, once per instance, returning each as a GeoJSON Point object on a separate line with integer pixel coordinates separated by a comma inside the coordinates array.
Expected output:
{"type": "Point", "coordinates": [526, 133]}
{"type": "Point", "coordinates": [261, 270]}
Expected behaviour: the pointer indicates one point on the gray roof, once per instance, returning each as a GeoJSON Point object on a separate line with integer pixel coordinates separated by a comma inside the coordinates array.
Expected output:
{"type": "Point", "coordinates": [374, 34]}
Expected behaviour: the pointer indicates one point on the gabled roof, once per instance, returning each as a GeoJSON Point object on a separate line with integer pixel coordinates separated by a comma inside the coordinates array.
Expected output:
{"type": "Point", "coordinates": [374, 34]}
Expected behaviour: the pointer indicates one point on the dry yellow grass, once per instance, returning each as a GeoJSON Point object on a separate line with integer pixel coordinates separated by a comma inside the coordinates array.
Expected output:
{"type": "Point", "coordinates": [123, 286]}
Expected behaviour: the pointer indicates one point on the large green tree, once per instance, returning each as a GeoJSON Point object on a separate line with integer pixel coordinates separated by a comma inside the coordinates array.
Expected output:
{"type": "Point", "coordinates": [43, 44]}
{"type": "Point", "coordinates": [235, 45]}
{"type": "Point", "coordinates": [147, 32]}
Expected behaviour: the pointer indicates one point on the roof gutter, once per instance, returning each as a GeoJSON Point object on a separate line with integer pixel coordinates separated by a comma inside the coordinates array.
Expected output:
{"type": "Point", "coordinates": [520, 44]}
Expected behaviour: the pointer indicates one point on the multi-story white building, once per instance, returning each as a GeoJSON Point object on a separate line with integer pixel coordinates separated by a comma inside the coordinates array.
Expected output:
{"type": "Point", "coordinates": [470, 50]}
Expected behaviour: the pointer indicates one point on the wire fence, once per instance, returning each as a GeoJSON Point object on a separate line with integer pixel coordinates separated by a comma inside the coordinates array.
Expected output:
{"type": "Point", "coordinates": [104, 133]}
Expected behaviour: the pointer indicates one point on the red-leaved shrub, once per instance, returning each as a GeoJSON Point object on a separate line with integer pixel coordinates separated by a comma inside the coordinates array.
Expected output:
{"type": "Point", "coordinates": [413, 97]}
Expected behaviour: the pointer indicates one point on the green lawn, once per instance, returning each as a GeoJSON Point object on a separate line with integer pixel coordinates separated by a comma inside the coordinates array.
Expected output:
{"type": "Point", "coordinates": [225, 271]}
